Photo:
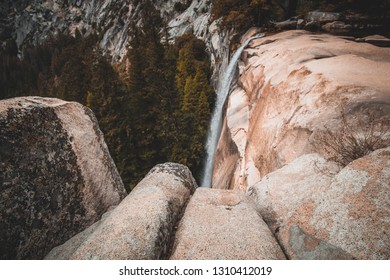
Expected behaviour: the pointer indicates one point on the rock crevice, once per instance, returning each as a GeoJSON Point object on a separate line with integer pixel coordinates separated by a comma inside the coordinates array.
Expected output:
{"type": "Point", "coordinates": [142, 225]}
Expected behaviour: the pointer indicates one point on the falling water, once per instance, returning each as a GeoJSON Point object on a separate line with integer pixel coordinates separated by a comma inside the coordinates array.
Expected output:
{"type": "Point", "coordinates": [216, 119]}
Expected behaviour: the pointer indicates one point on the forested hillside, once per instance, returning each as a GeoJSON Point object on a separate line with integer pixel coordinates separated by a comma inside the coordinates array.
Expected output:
{"type": "Point", "coordinates": [154, 107]}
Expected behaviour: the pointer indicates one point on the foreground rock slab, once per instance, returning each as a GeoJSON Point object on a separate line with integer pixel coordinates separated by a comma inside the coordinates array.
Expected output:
{"type": "Point", "coordinates": [317, 212]}
{"type": "Point", "coordinates": [222, 224]}
{"type": "Point", "coordinates": [141, 226]}
{"type": "Point", "coordinates": [56, 175]}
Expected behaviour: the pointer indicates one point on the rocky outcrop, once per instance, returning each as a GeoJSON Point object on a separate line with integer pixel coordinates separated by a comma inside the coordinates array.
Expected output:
{"type": "Point", "coordinates": [56, 175]}
{"type": "Point", "coordinates": [290, 87]}
{"type": "Point", "coordinates": [337, 28]}
{"type": "Point", "coordinates": [376, 40]}
{"type": "Point", "coordinates": [195, 18]}
{"type": "Point", "coordinates": [319, 212]}
{"type": "Point", "coordinates": [141, 227]}
{"type": "Point", "coordinates": [154, 222]}
{"type": "Point", "coordinates": [348, 24]}
{"type": "Point", "coordinates": [222, 224]}
{"type": "Point", "coordinates": [323, 17]}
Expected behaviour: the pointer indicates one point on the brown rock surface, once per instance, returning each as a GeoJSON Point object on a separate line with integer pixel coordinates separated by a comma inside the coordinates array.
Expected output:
{"type": "Point", "coordinates": [222, 224]}
{"type": "Point", "coordinates": [141, 226]}
{"type": "Point", "coordinates": [290, 86]}
{"type": "Point", "coordinates": [337, 28]}
{"type": "Point", "coordinates": [317, 212]}
{"type": "Point", "coordinates": [56, 175]}
{"type": "Point", "coordinates": [376, 40]}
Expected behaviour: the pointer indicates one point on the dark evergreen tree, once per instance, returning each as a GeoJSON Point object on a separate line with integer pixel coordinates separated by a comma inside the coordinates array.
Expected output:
{"type": "Point", "coordinates": [196, 100]}
{"type": "Point", "coordinates": [156, 110]}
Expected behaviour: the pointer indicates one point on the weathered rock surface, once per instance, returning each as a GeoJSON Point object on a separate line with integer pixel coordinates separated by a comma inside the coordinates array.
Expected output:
{"type": "Point", "coordinates": [222, 224]}
{"type": "Point", "coordinates": [56, 175]}
{"type": "Point", "coordinates": [196, 18]}
{"type": "Point", "coordinates": [319, 16]}
{"type": "Point", "coordinates": [317, 212]}
{"type": "Point", "coordinates": [290, 86]}
{"type": "Point", "coordinates": [376, 40]}
{"type": "Point", "coordinates": [286, 25]}
{"type": "Point", "coordinates": [347, 23]}
{"type": "Point", "coordinates": [337, 28]}
{"type": "Point", "coordinates": [141, 226]}
{"type": "Point", "coordinates": [33, 21]}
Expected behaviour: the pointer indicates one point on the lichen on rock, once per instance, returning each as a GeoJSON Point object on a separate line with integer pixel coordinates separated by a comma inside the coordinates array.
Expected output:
{"type": "Point", "coordinates": [142, 225]}
{"type": "Point", "coordinates": [319, 211]}
{"type": "Point", "coordinates": [56, 175]}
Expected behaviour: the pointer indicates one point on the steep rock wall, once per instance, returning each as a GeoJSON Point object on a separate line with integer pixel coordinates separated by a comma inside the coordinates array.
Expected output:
{"type": "Point", "coordinates": [196, 18]}
{"type": "Point", "coordinates": [32, 22]}
{"type": "Point", "coordinates": [290, 86]}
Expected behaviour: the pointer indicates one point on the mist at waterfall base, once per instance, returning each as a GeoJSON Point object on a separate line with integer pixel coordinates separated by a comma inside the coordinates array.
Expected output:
{"type": "Point", "coordinates": [216, 119]}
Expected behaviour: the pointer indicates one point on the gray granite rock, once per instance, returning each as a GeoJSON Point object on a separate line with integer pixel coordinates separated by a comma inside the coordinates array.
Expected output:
{"type": "Point", "coordinates": [323, 17]}
{"type": "Point", "coordinates": [318, 211]}
{"type": "Point", "coordinates": [142, 225]}
{"type": "Point", "coordinates": [223, 224]}
{"type": "Point", "coordinates": [337, 28]}
{"type": "Point", "coordinates": [56, 175]}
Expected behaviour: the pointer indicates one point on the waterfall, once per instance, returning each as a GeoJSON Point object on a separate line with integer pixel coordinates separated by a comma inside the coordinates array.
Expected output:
{"type": "Point", "coordinates": [216, 119]}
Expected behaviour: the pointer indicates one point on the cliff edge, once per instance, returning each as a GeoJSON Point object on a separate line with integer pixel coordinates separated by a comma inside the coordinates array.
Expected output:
{"type": "Point", "coordinates": [292, 88]}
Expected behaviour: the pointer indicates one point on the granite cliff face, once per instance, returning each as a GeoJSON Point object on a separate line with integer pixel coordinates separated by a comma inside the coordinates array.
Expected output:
{"type": "Point", "coordinates": [32, 22]}
{"type": "Point", "coordinates": [291, 86]}
{"type": "Point", "coordinates": [298, 94]}
{"type": "Point", "coordinates": [56, 175]}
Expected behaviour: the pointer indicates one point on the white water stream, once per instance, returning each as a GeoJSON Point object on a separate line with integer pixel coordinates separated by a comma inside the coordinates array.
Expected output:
{"type": "Point", "coordinates": [216, 119]}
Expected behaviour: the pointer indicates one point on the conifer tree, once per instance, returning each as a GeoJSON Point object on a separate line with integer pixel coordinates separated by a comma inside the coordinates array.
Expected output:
{"type": "Point", "coordinates": [196, 96]}
{"type": "Point", "coordinates": [157, 111]}
{"type": "Point", "coordinates": [148, 90]}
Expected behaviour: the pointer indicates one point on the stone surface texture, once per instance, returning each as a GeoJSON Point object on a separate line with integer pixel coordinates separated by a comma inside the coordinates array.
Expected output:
{"type": "Point", "coordinates": [56, 175]}
{"type": "Point", "coordinates": [290, 86]}
{"type": "Point", "coordinates": [223, 224]}
{"type": "Point", "coordinates": [318, 210]}
{"type": "Point", "coordinates": [141, 226]}
{"type": "Point", "coordinates": [33, 21]}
